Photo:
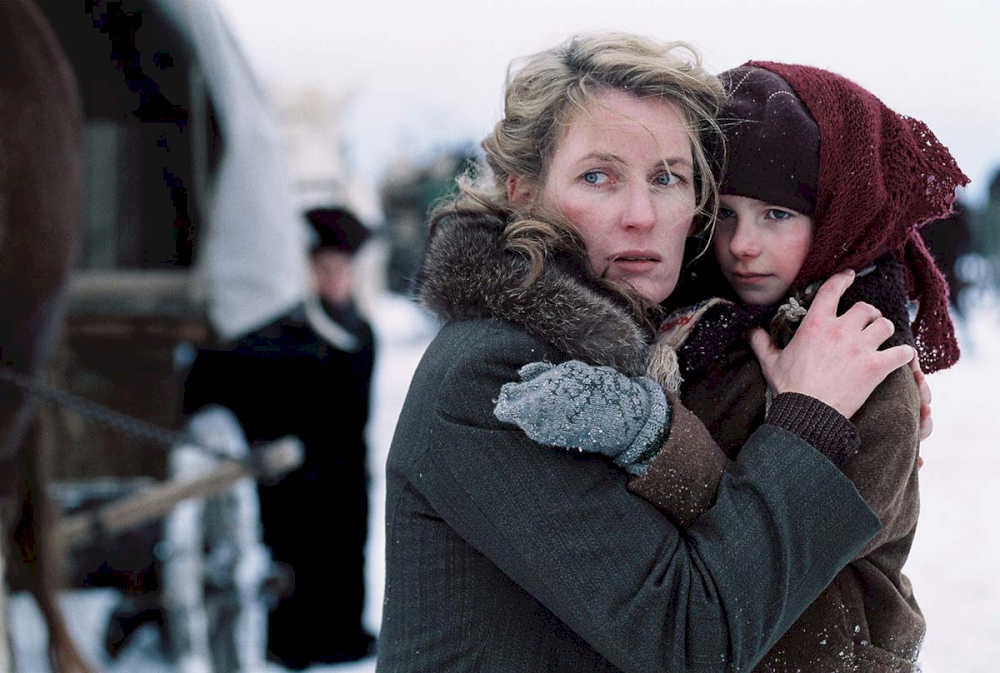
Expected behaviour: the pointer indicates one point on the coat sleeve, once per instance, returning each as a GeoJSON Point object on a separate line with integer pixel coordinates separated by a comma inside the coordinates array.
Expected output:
{"type": "Point", "coordinates": [213, 380]}
{"type": "Point", "coordinates": [684, 476]}
{"type": "Point", "coordinates": [884, 471]}
{"type": "Point", "coordinates": [613, 568]}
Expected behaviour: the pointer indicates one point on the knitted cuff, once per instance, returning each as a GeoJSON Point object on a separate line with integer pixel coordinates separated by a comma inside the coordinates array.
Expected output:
{"type": "Point", "coordinates": [818, 424]}
{"type": "Point", "coordinates": [637, 457]}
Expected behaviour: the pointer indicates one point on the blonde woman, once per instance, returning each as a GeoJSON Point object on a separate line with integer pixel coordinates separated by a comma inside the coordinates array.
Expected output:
{"type": "Point", "coordinates": [502, 556]}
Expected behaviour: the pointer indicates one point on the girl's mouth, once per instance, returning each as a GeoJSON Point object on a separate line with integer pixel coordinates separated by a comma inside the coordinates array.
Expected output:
{"type": "Point", "coordinates": [750, 277]}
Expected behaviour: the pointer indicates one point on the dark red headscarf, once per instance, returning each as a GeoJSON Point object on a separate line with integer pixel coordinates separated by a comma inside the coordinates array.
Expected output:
{"type": "Point", "coordinates": [881, 176]}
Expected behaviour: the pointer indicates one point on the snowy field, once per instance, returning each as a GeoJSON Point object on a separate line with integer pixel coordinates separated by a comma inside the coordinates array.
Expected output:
{"type": "Point", "coordinates": [955, 561]}
{"type": "Point", "coordinates": [954, 564]}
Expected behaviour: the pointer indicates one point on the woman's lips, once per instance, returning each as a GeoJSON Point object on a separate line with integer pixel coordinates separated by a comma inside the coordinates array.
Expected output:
{"type": "Point", "coordinates": [635, 260]}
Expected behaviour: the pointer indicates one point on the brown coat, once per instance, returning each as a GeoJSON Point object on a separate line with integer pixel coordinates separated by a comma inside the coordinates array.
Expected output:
{"type": "Point", "coordinates": [867, 618]}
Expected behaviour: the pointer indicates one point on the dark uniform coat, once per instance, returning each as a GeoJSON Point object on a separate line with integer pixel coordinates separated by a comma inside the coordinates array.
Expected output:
{"type": "Point", "coordinates": [503, 555]}
{"type": "Point", "coordinates": [287, 379]}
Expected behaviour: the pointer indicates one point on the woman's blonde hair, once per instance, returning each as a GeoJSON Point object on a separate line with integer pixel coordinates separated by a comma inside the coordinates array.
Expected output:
{"type": "Point", "coordinates": [544, 90]}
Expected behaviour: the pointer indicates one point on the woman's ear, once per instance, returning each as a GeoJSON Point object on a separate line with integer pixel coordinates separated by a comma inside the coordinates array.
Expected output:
{"type": "Point", "coordinates": [519, 190]}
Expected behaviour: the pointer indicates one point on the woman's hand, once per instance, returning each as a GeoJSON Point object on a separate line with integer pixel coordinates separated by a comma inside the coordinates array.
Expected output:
{"type": "Point", "coordinates": [574, 405]}
{"type": "Point", "coordinates": [833, 358]}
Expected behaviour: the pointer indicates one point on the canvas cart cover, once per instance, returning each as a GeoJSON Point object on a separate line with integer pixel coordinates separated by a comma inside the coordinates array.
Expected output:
{"type": "Point", "coordinates": [252, 259]}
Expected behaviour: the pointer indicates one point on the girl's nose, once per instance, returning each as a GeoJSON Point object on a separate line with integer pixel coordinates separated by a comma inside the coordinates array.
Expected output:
{"type": "Point", "coordinates": [744, 242]}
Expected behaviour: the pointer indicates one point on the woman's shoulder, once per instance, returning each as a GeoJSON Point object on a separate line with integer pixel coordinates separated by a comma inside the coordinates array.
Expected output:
{"type": "Point", "coordinates": [461, 372]}
{"type": "Point", "coordinates": [464, 266]}
{"type": "Point", "coordinates": [487, 347]}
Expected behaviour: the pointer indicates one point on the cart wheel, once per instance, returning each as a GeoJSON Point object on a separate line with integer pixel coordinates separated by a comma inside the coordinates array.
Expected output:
{"type": "Point", "coordinates": [131, 613]}
{"type": "Point", "coordinates": [215, 564]}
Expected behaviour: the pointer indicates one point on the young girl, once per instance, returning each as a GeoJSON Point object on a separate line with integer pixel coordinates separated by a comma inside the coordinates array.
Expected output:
{"type": "Point", "coordinates": [820, 176]}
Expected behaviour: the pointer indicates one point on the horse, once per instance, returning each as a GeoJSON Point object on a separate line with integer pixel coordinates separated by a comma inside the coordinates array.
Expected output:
{"type": "Point", "coordinates": [40, 174]}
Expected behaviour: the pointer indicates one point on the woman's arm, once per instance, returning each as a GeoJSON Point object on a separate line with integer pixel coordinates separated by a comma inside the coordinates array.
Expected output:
{"type": "Point", "coordinates": [683, 478]}
{"type": "Point", "coordinates": [675, 462]}
{"type": "Point", "coordinates": [609, 565]}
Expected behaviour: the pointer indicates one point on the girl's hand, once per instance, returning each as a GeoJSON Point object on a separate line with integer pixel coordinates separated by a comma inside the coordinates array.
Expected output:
{"type": "Point", "coordinates": [926, 422]}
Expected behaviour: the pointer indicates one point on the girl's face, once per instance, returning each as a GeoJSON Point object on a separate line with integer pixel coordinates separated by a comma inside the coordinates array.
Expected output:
{"type": "Point", "coordinates": [622, 174]}
{"type": "Point", "coordinates": [760, 247]}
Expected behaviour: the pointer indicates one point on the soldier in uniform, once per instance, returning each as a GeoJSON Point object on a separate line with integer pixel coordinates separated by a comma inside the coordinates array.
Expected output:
{"type": "Point", "coordinates": [308, 373]}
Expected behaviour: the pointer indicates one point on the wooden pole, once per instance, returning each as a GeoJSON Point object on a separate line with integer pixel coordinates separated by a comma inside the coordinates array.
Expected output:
{"type": "Point", "coordinates": [272, 461]}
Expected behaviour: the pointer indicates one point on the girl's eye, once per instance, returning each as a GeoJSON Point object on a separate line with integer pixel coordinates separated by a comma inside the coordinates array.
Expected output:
{"type": "Point", "coordinates": [726, 214]}
{"type": "Point", "coordinates": [666, 179]}
{"type": "Point", "coordinates": [774, 214]}
{"type": "Point", "coordinates": [595, 177]}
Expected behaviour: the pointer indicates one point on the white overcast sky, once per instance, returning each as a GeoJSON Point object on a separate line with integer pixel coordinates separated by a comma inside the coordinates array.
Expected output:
{"type": "Point", "coordinates": [425, 74]}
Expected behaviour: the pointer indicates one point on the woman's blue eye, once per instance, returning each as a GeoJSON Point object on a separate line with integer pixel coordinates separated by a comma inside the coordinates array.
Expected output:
{"type": "Point", "coordinates": [666, 179]}
{"type": "Point", "coordinates": [726, 214]}
{"type": "Point", "coordinates": [594, 177]}
{"type": "Point", "coordinates": [778, 214]}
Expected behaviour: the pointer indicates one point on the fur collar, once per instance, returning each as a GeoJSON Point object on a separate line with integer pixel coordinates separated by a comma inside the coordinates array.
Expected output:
{"type": "Point", "coordinates": [467, 274]}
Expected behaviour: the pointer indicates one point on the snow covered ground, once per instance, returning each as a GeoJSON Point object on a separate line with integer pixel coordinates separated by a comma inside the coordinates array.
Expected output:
{"type": "Point", "coordinates": [954, 564]}
{"type": "Point", "coordinates": [955, 561]}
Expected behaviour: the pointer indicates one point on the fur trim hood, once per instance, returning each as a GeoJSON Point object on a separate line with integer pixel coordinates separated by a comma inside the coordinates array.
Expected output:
{"type": "Point", "coordinates": [467, 274]}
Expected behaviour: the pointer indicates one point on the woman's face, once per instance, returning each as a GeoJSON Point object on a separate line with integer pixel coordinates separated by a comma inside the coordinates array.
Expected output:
{"type": "Point", "coordinates": [623, 175]}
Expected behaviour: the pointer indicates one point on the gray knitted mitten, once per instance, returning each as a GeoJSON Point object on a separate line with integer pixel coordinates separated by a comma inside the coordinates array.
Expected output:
{"type": "Point", "coordinates": [594, 409]}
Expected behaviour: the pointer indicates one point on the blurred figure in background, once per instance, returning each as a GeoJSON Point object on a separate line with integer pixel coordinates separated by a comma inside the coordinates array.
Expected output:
{"type": "Point", "coordinates": [948, 239]}
{"type": "Point", "coordinates": [986, 238]}
{"type": "Point", "coordinates": [308, 373]}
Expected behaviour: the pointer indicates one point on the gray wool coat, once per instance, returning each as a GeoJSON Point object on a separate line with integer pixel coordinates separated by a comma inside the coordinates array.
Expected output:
{"type": "Point", "coordinates": [503, 555]}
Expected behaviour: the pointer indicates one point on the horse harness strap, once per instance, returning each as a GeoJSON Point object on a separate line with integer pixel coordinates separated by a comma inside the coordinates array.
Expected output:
{"type": "Point", "coordinates": [124, 423]}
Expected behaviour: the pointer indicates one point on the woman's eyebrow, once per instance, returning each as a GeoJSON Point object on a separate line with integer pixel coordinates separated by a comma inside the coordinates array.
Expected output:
{"type": "Point", "coordinates": [601, 156]}
{"type": "Point", "coordinates": [678, 161]}
{"type": "Point", "coordinates": [614, 158]}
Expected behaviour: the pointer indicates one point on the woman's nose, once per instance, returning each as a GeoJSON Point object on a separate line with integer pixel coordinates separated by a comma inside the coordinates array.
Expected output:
{"type": "Point", "coordinates": [640, 213]}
